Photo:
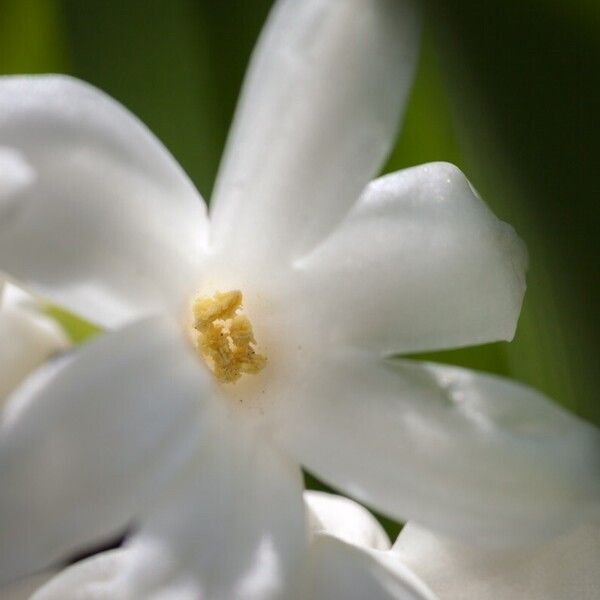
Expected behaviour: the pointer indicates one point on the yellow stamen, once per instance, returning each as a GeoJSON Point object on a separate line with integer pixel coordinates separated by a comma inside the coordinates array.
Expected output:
{"type": "Point", "coordinates": [225, 338]}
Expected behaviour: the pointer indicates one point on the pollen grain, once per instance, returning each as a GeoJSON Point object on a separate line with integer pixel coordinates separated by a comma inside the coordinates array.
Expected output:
{"type": "Point", "coordinates": [225, 338]}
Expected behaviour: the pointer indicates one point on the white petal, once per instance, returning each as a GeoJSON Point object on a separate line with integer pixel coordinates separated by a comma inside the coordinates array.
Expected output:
{"type": "Point", "coordinates": [420, 263]}
{"type": "Point", "coordinates": [233, 527]}
{"type": "Point", "coordinates": [474, 455]}
{"type": "Point", "coordinates": [27, 339]}
{"type": "Point", "coordinates": [24, 588]}
{"type": "Point", "coordinates": [15, 175]}
{"type": "Point", "coordinates": [84, 579]}
{"type": "Point", "coordinates": [317, 116]}
{"type": "Point", "coordinates": [343, 571]}
{"type": "Point", "coordinates": [566, 567]}
{"type": "Point", "coordinates": [106, 223]}
{"type": "Point", "coordinates": [83, 447]}
{"type": "Point", "coordinates": [345, 519]}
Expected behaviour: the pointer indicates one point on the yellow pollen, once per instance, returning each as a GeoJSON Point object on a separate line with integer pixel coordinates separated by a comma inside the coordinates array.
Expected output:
{"type": "Point", "coordinates": [225, 338]}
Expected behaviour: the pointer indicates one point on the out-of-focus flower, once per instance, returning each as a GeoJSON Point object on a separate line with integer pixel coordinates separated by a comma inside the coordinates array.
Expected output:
{"type": "Point", "coordinates": [189, 418]}
{"type": "Point", "coordinates": [565, 567]}
{"type": "Point", "coordinates": [27, 338]}
{"type": "Point", "coordinates": [349, 557]}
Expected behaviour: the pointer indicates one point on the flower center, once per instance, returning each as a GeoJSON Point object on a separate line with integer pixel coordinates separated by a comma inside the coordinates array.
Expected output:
{"type": "Point", "coordinates": [224, 338]}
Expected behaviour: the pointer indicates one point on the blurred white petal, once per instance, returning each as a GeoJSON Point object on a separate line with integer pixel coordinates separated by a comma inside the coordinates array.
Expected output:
{"type": "Point", "coordinates": [85, 579]}
{"type": "Point", "coordinates": [566, 567]}
{"type": "Point", "coordinates": [343, 571]}
{"type": "Point", "coordinates": [27, 339]}
{"type": "Point", "coordinates": [106, 223]}
{"type": "Point", "coordinates": [16, 174]}
{"type": "Point", "coordinates": [232, 526]}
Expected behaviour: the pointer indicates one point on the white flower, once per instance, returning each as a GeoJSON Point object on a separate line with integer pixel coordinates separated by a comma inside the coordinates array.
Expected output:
{"type": "Point", "coordinates": [565, 567]}
{"type": "Point", "coordinates": [350, 556]}
{"type": "Point", "coordinates": [336, 275]}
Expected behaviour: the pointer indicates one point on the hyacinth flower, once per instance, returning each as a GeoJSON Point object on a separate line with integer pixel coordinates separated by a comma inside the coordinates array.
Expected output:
{"type": "Point", "coordinates": [263, 335]}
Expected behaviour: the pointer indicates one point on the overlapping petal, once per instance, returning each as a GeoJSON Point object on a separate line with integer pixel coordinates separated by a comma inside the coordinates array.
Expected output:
{"type": "Point", "coordinates": [342, 571]}
{"type": "Point", "coordinates": [27, 339]}
{"type": "Point", "coordinates": [85, 443]}
{"type": "Point", "coordinates": [350, 555]}
{"type": "Point", "coordinates": [317, 116]}
{"type": "Point", "coordinates": [86, 578]}
{"type": "Point", "coordinates": [420, 263]}
{"type": "Point", "coordinates": [101, 219]}
{"type": "Point", "coordinates": [345, 519]}
{"type": "Point", "coordinates": [566, 567]}
{"type": "Point", "coordinates": [232, 526]}
{"type": "Point", "coordinates": [470, 454]}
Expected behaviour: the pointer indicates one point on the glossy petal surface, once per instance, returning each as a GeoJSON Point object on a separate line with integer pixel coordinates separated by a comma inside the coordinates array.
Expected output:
{"type": "Point", "coordinates": [420, 263]}
{"type": "Point", "coordinates": [345, 519]}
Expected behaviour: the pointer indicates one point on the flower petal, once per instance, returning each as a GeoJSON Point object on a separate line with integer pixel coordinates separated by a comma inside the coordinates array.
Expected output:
{"type": "Point", "coordinates": [15, 175]}
{"type": "Point", "coordinates": [345, 519]}
{"type": "Point", "coordinates": [342, 571]}
{"type": "Point", "coordinates": [85, 578]}
{"type": "Point", "coordinates": [317, 116]}
{"type": "Point", "coordinates": [420, 263]}
{"type": "Point", "coordinates": [465, 453]}
{"type": "Point", "coordinates": [232, 527]}
{"type": "Point", "coordinates": [106, 223]}
{"type": "Point", "coordinates": [84, 444]}
{"type": "Point", "coordinates": [566, 567]}
{"type": "Point", "coordinates": [27, 339]}
{"type": "Point", "coordinates": [25, 588]}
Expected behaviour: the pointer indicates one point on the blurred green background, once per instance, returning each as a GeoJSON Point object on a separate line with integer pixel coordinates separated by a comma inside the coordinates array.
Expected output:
{"type": "Point", "coordinates": [506, 90]}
